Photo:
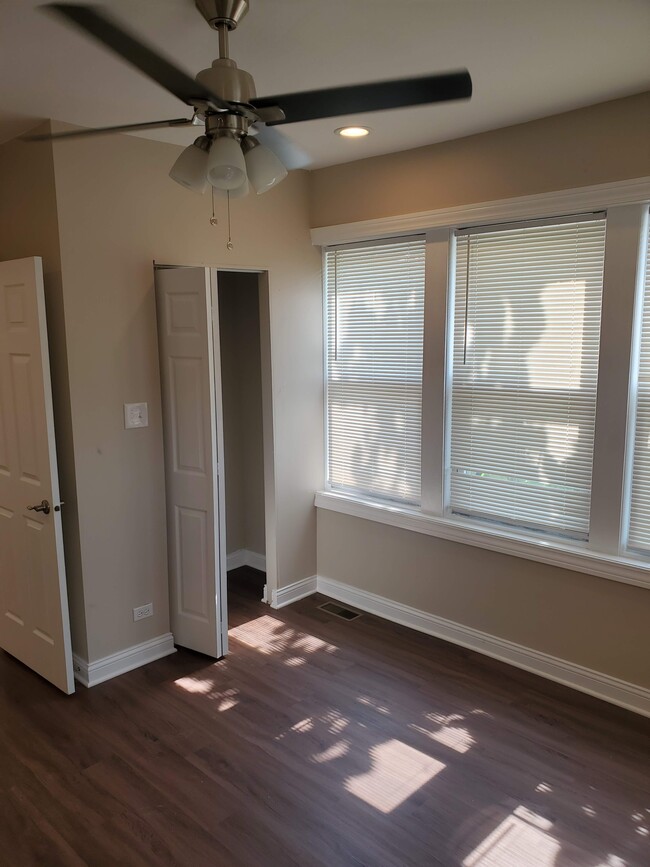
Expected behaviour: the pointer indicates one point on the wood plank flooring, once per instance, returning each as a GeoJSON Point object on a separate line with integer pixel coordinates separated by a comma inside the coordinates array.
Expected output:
{"type": "Point", "coordinates": [320, 743]}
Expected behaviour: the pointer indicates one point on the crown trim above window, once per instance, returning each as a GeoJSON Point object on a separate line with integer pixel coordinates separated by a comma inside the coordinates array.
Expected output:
{"type": "Point", "coordinates": [554, 204]}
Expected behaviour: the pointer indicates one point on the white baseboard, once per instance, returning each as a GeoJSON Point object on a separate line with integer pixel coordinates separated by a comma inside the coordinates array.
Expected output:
{"type": "Point", "coordinates": [92, 673]}
{"type": "Point", "coordinates": [293, 592]}
{"type": "Point", "coordinates": [603, 686]}
{"type": "Point", "coordinates": [244, 557]}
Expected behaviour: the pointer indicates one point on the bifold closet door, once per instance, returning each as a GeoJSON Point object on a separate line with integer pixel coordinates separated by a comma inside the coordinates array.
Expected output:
{"type": "Point", "coordinates": [190, 393]}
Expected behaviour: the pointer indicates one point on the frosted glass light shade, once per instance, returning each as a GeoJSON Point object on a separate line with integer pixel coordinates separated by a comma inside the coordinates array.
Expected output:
{"type": "Point", "coordinates": [226, 165]}
{"type": "Point", "coordinates": [264, 169]}
{"type": "Point", "coordinates": [238, 193]}
{"type": "Point", "coordinates": [190, 169]}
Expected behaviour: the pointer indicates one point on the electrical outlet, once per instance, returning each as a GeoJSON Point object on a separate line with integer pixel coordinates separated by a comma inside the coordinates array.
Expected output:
{"type": "Point", "coordinates": [143, 611]}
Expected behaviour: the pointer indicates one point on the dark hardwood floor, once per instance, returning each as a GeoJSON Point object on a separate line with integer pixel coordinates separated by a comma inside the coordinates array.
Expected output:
{"type": "Point", "coordinates": [320, 743]}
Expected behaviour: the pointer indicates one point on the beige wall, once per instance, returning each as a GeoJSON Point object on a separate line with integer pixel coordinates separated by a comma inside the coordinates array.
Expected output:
{"type": "Point", "coordinates": [241, 386]}
{"type": "Point", "coordinates": [591, 621]}
{"type": "Point", "coordinates": [595, 145]}
{"type": "Point", "coordinates": [118, 212]}
{"type": "Point", "coordinates": [29, 227]}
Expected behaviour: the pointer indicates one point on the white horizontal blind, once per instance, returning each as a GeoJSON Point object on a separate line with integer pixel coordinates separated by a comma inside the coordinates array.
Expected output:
{"type": "Point", "coordinates": [524, 373]}
{"type": "Point", "coordinates": [639, 529]}
{"type": "Point", "coordinates": [375, 321]}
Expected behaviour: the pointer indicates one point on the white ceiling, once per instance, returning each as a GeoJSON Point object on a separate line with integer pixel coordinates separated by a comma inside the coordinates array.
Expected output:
{"type": "Point", "coordinates": [528, 59]}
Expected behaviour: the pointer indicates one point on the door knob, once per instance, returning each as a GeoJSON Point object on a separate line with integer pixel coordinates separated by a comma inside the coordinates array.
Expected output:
{"type": "Point", "coordinates": [44, 507]}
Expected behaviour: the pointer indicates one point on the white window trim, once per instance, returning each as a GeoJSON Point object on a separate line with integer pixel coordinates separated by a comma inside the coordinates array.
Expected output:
{"type": "Point", "coordinates": [556, 204]}
{"type": "Point", "coordinates": [556, 552]}
{"type": "Point", "coordinates": [626, 202]}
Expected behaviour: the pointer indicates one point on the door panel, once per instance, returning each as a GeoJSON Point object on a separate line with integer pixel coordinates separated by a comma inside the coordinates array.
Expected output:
{"type": "Point", "coordinates": [184, 308]}
{"type": "Point", "coordinates": [34, 620]}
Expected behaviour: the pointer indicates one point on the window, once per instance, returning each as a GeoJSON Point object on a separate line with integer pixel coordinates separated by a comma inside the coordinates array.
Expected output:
{"type": "Point", "coordinates": [490, 385]}
{"type": "Point", "coordinates": [639, 527]}
{"type": "Point", "coordinates": [375, 315]}
{"type": "Point", "coordinates": [524, 373]}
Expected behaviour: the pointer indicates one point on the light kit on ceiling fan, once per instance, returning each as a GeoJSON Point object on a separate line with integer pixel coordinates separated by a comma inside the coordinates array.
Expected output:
{"type": "Point", "coordinates": [236, 160]}
{"type": "Point", "coordinates": [191, 168]}
{"type": "Point", "coordinates": [264, 169]}
{"type": "Point", "coordinates": [239, 148]}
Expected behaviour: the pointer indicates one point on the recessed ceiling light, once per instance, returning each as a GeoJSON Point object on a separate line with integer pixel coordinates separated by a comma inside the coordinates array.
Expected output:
{"type": "Point", "coordinates": [352, 131]}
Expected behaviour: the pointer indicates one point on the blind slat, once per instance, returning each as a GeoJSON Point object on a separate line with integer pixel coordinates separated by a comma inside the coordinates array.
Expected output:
{"type": "Point", "coordinates": [524, 374]}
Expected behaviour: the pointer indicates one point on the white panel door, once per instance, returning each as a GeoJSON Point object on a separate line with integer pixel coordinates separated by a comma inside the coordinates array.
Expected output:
{"type": "Point", "coordinates": [34, 619]}
{"type": "Point", "coordinates": [190, 403]}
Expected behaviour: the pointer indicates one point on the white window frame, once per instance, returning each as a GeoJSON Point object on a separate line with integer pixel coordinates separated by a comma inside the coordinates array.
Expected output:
{"type": "Point", "coordinates": [643, 253]}
{"type": "Point", "coordinates": [626, 204]}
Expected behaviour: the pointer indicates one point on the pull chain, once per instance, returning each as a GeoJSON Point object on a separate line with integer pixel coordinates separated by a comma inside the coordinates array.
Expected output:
{"type": "Point", "coordinates": [213, 219]}
{"type": "Point", "coordinates": [336, 305]}
{"type": "Point", "coordinates": [229, 245]}
{"type": "Point", "coordinates": [467, 285]}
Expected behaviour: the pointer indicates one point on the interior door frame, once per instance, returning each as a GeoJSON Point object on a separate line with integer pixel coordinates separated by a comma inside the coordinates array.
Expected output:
{"type": "Point", "coordinates": [263, 282]}
{"type": "Point", "coordinates": [221, 462]}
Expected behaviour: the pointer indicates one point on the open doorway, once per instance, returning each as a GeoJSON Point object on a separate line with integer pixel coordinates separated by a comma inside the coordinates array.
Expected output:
{"type": "Point", "coordinates": [241, 394]}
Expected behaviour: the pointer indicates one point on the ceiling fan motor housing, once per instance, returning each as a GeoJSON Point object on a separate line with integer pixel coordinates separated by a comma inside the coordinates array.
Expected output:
{"type": "Point", "coordinates": [228, 12]}
{"type": "Point", "coordinates": [227, 81]}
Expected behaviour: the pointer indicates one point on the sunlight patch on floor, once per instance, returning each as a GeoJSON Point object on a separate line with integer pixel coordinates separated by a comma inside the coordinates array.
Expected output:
{"type": "Point", "coordinates": [369, 702]}
{"type": "Point", "coordinates": [522, 838]}
{"type": "Point", "coordinates": [336, 751]}
{"type": "Point", "coordinates": [398, 771]}
{"type": "Point", "coordinates": [443, 719]}
{"type": "Point", "coordinates": [295, 661]}
{"type": "Point", "coordinates": [270, 635]}
{"type": "Point", "coordinates": [302, 727]}
{"type": "Point", "coordinates": [454, 737]}
{"type": "Point", "coordinates": [227, 698]}
{"type": "Point", "coordinates": [335, 721]}
{"type": "Point", "coordinates": [195, 684]}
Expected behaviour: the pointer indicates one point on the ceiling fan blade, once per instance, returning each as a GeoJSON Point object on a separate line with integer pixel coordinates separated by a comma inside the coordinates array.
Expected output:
{"type": "Point", "coordinates": [377, 96]}
{"type": "Point", "coordinates": [129, 127]}
{"type": "Point", "coordinates": [113, 36]}
{"type": "Point", "coordinates": [291, 156]}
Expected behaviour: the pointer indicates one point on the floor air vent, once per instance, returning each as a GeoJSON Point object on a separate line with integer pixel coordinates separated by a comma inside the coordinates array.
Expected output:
{"type": "Point", "coordinates": [339, 611]}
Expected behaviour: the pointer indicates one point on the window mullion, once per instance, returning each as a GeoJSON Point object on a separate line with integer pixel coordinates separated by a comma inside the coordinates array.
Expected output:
{"type": "Point", "coordinates": [622, 270]}
{"type": "Point", "coordinates": [437, 282]}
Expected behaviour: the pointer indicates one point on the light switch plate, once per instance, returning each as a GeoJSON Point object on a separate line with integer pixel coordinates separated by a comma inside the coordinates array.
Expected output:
{"type": "Point", "coordinates": [136, 415]}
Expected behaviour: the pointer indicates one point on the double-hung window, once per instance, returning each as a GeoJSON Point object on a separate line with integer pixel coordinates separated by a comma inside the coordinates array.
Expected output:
{"type": "Point", "coordinates": [515, 414]}
{"type": "Point", "coordinates": [524, 372]}
{"type": "Point", "coordinates": [375, 314]}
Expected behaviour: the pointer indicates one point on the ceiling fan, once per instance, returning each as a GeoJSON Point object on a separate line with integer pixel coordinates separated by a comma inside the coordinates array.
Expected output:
{"type": "Point", "coordinates": [232, 151]}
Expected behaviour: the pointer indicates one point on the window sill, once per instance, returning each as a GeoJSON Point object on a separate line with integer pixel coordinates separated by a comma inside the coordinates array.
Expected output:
{"type": "Point", "coordinates": [566, 555]}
